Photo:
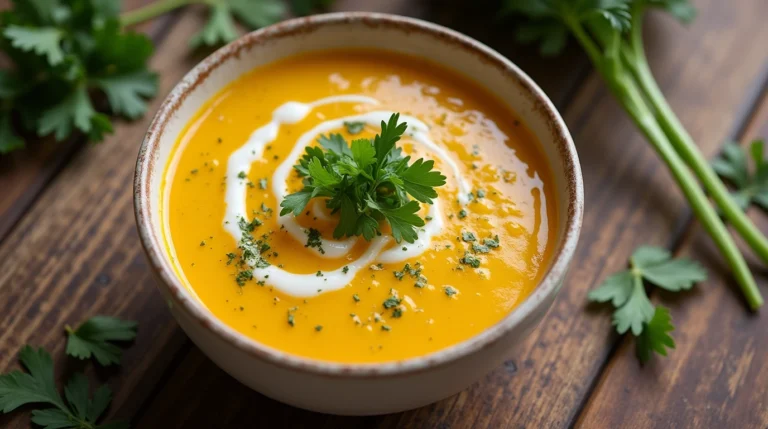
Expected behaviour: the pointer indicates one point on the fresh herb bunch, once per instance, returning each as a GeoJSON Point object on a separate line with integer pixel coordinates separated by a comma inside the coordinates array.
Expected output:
{"type": "Point", "coordinates": [733, 165]}
{"type": "Point", "coordinates": [610, 31]}
{"type": "Point", "coordinates": [634, 311]}
{"type": "Point", "coordinates": [67, 56]}
{"type": "Point", "coordinates": [73, 61]}
{"type": "Point", "coordinates": [367, 182]}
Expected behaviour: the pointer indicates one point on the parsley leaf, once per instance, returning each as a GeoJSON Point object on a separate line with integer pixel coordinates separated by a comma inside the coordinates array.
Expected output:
{"type": "Point", "coordinates": [95, 336]}
{"type": "Point", "coordinates": [220, 27]}
{"type": "Point", "coordinates": [80, 411]}
{"type": "Point", "coordinates": [367, 183]}
{"type": "Point", "coordinates": [655, 337]}
{"type": "Point", "coordinates": [44, 41]}
{"type": "Point", "coordinates": [751, 187]}
{"type": "Point", "coordinates": [634, 311]}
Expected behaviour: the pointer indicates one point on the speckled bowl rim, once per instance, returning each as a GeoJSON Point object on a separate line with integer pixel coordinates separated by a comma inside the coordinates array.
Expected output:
{"type": "Point", "coordinates": [182, 298]}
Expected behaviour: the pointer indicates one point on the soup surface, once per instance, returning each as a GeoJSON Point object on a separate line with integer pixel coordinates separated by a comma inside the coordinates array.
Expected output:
{"type": "Point", "coordinates": [486, 243]}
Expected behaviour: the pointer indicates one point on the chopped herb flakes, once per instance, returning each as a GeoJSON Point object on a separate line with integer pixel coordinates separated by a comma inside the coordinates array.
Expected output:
{"type": "Point", "coordinates": [471, 260]}
{"type": "Point", "coordinates": [480, 248]}
{"type": "Point", "coordinates": [356, 297]}
{"type": "Point", "coordinates": [241, 175]}
{"type": "Point", "coordinates": [319, 274]}
{"type": "Point", "coordinates": [391, 302]}
{"type": "Point", "coordinates": [480, 193]}
{"type": "Point", "coordinates": [263, 183]}
{"type": "Point", "coordinates": [468, 237]}
{"type": "Point", "coordinates": [397, 313]}
{"type": "Point", "coordinates": [345, 270]}
{"type": "Point", "coordinates": [319, 328]}
{"type": "Point", "coordinates": [385, 328]}
{"type": "Point", "coordinates": [354, 127]}
{"type": "Point", "coordinates": [314, 239]}
{"type": "Point", "coordinates": [202, 243]}
{"type": "Point", "coordinates": [291, 320]}
{"type": "Point", "coordinates": [492, 242]}
{"type": "Point", "coordinates": [450, 290]}
{"type": "Point", "coordinates": [462, 214]}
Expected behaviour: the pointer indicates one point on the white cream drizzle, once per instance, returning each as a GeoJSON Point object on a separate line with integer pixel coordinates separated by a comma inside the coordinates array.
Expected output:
{"type": "Point", "coordinates": [306, 285]}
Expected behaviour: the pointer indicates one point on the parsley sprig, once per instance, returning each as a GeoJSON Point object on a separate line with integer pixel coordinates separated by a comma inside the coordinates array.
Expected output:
{"type": "Point", "coordinates": [367, 182]}
{"type": "Point", "coordinates": [79, 411]}
{"type": "Point", "coordinates": [634, 311]}
{"type": "Point", "coordinates": [751, 187]}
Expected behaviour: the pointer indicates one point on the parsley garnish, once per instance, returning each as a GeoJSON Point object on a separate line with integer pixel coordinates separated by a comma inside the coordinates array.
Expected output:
{"type": "Point", "coordinates": [391, 302]}
{"type": "Point", "coordinates": [319, 328]}
{"type": "Point", "coordinates": [733, 165]}
{"type": "Point", "coordinates": [450, 290]}
{"type": "Point", "coordinates": [634, 311]}
{"type": "Point", "coordinates": [471, 260]}
{"type": "Point", "coordinates": [356, 297]}
{"type": "Point", "coordinates": [367, 182]}
{"type": "Point", "coordinates": [95, 338]}
{"type": "Point", "coordinates": [468, 236]}
{"type": "Point", "coordinates": [314, 239]}
{"type": "Point", "coordinates": [37, 386]}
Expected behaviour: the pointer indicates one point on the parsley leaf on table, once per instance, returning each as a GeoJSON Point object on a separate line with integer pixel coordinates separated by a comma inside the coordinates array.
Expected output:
{"type": "Point", "coordinates": [634, 311]}
{"type": "Point", "coordinates": [94, 337]}
{"type": "Point", "coordinates": [80, 411]}
{"type": "Point", "coordinates": [733, 165]}
{"type": "Point", "coordinates": [366, 183]}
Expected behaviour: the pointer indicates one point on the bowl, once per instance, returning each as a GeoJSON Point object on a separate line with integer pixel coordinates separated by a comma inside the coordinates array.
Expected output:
{"type": "Point", "coordinates": [343, 388]}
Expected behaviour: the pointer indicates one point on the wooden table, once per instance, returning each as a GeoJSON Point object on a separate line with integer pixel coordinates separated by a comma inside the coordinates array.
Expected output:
{"type": "Point", "coordinates": [69, 249]}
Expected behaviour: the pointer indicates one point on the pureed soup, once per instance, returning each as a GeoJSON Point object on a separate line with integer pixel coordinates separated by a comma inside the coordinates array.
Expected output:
{"type": "Point", "coordinates": [285, 281]}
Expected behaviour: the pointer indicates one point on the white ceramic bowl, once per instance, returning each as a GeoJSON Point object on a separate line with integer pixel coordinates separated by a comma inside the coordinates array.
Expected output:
{"type": "Point", "coordinates": [342, 388]}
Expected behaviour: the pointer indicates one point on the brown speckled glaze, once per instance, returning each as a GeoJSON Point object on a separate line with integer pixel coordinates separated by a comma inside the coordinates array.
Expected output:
{"type": "Point", "coordinates": [203, 327]}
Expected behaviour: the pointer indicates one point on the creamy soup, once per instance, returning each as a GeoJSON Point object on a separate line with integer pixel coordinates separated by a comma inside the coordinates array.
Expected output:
{"type": "Point", "coordinates": [485, 243]}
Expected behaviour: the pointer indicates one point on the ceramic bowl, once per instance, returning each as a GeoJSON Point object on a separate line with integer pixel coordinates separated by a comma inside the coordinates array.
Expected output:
{"type": "Point", "coordinates": [343, 388]}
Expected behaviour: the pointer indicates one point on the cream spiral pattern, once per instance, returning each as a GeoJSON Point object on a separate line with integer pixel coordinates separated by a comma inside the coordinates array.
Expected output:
{"type": "Point", "coordinates": [307, 285]}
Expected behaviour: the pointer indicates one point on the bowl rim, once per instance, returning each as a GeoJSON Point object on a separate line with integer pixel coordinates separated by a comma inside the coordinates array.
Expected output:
{"type": "Point", "coordinates": [179, 295]}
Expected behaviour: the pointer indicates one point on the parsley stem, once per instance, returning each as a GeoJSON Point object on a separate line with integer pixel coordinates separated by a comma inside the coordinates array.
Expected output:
{"type": "Point", "coordinates": [630, 96]}
{"type": "Point", "coordinates": [622, 84]}
{"type": "Point", "coordinates": [153, 10]}
{"type": "Point", "coordinates": [687, 148]}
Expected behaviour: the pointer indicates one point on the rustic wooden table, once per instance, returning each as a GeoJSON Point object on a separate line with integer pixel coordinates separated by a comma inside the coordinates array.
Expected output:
{"type": "Point", "coordinates": [69, 249]}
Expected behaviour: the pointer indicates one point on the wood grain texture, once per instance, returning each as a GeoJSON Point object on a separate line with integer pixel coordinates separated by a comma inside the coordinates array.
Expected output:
{"type": "Point", "coordinates": [716, 377]}
{"type": "Point", "coordinates": [24, 174]}
{"type": "Point", "coordinates": [631, 200]}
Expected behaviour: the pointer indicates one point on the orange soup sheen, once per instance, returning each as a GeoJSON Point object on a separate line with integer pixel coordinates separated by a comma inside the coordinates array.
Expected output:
{"type": "Point", "coordinates": [445, 297]}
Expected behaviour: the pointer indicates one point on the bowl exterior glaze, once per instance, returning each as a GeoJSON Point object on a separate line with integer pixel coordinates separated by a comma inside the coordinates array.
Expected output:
{"type": "Point", "coordinates": [357, 389]}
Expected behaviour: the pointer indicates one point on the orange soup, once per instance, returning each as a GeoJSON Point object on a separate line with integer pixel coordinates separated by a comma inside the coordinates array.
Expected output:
{"type": "Point", "coordinates": [285, 281]}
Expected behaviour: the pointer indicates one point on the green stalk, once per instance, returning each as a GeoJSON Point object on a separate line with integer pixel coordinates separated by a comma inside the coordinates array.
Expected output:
{"type": "Point", "coordinates": [627, 92]}
{"type": "Point", "coordinates": [684, 144]}
{"type": "Point", "coordinates": [153, 10]}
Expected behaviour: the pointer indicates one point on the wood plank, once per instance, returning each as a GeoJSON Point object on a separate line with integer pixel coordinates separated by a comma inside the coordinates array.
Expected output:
{"type": "Point", "coordinates": [25, 174]}
{"type": "Point", "coordinates": [717, 376]}
{"type": "Point", "coordinates": [629, 202]}
{"type": "Point", "coordinates": [75, 253]}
